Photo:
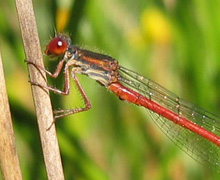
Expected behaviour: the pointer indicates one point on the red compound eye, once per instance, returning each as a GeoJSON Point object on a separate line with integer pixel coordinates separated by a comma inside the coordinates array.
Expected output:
{"type": "Point", "coordinates": [56, 47]}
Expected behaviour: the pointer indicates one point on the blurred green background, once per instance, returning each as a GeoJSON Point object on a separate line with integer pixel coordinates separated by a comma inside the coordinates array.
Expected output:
{"type": "Point", "coordinates": [175, 43]}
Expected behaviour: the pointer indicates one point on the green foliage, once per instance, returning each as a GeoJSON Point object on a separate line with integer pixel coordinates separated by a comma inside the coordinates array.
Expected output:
{"type": "Point", "coordinates": [175, 43]}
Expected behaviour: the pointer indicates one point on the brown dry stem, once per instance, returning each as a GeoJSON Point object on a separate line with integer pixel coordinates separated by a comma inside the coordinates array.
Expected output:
{"type": "Point", "coordinates": [10, 167]}
{"type": "Point", "coordinates": [41, 98]}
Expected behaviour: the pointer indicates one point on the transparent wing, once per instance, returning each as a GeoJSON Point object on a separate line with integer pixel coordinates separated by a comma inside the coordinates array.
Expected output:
{"type": "Point", "coordinates": [193, 144]}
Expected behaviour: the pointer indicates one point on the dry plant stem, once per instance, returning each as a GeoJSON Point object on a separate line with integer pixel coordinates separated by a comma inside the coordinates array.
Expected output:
{"type": "Point", "coordinates": [10, 167]}
{"type": "Point", "coordinates": [41, 98]}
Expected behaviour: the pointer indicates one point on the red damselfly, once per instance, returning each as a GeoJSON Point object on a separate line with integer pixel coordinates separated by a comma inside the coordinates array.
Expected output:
{"type": "Point", "coordinates": [195, 130]}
